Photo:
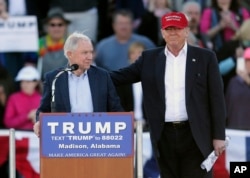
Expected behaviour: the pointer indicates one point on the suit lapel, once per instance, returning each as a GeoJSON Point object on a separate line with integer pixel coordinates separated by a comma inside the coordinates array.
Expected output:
{"type": "Point", "coordinates": [160, 73]}
{"type": "Point", "coordinates": [93, 88]}
{"type": "Point", "coordinates": [63, 87]}
{"type": "Point", "coordinates": [192, 62]}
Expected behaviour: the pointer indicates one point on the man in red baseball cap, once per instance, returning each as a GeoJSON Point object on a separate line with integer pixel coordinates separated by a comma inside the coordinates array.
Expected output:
{"type": "Point", "coordinates": [183, 100]}
{"type": "Point", "coordinates": [174, 30]}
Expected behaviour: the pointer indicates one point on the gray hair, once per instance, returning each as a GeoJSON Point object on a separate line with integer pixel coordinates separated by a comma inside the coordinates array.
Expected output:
{"type": "Point", "coordinates": [189, 3]}
{"type": "Point", "coordinates": [72, 41]}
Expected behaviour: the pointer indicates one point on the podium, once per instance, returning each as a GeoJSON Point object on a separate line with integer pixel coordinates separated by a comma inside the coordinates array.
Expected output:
{"type": "Point", "coordinates": [87, 145]}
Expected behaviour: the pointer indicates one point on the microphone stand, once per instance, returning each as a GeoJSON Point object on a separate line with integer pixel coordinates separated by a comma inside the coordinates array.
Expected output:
{"type": "Point", "coordinates": [53, 103]}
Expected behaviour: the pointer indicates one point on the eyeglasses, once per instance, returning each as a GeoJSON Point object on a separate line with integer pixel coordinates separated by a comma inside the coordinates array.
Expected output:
{"type": "Point", "coordinates": [56, 24]}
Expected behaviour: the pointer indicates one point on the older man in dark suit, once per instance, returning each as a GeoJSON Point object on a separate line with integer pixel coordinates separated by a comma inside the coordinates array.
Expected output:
{"type": "Point", "coordinates": [87, 89]}
{"type": "Point", "coordinates": [183, 100]}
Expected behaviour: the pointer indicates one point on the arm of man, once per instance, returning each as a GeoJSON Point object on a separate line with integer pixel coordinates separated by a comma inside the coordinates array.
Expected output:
{"type": "Point", "coordinates": [217, 105]}
{"type": "Point", "coordinates": [46, 98]}
{"type": "Point", "coordinates": [127, 75]}
{"type": "Point", "coordinates": [45, 104]}
{"type": "Point", "coordinates": [113, 98]}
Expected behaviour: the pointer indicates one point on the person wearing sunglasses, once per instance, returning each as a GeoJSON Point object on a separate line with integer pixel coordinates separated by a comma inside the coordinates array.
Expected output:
{"type": "Point", "coordinates": [51, 44]}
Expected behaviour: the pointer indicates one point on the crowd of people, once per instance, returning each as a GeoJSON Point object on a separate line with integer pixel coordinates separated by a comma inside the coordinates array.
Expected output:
{"type": "Point", "coordinates": [113, 35]}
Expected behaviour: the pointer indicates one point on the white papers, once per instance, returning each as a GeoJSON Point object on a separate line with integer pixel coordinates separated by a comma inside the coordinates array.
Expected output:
{"type": "Point", "coordinates": [210, 160]}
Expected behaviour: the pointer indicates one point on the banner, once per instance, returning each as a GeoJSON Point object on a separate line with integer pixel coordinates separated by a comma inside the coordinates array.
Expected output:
{"type": "Point", "coordinates": [19, 34]}
{"type": "Point", "coordinates": [27, 152]}
{"type": "Point", "coordinates": [238, 150]}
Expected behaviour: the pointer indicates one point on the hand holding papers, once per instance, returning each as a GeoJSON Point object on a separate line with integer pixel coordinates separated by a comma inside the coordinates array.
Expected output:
{"type": "Point", "coordinates": [209, 162]}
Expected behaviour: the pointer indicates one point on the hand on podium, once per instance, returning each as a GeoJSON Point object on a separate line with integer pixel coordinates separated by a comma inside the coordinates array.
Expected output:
{"type": "Point", "coordinates": [36, 128]}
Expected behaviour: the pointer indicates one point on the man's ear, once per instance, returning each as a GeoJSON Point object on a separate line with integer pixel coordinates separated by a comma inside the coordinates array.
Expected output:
{"type": "Point", "coordinates": [187, 31]}
{"type": "Point", "coordinates": [69, 54]}
{"type": "Point", "coordinates": [162, 34]}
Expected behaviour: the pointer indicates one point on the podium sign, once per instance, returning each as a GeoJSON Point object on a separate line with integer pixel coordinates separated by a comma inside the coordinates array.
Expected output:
{"type": "Point", "coordinates": [93, 145]}
{"type": "Point", "coordinates": [87, 135]}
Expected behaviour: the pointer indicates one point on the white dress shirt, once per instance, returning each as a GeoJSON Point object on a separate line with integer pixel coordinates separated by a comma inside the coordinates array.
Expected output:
{"type": "Point", "coordinates": [175, 86]}
{"type": "Point", "coordinates": [80, 93]}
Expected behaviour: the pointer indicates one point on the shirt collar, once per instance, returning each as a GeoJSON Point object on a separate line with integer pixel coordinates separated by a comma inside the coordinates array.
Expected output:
{"type": "Point", "coordinates": [183, 50]}
{"type": "Point", "coordinates": [71, 74]}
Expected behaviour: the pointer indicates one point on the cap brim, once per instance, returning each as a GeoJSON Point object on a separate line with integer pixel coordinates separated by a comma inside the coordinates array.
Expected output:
{"type": "Point", "coordinates": [45, 21]}
{"type": "Point", "coordinates": [173, 25]}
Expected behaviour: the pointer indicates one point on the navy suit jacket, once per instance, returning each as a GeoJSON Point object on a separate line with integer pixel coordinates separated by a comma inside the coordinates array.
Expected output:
{"type": "Point", "coordinates": [204, 94]}
{"type": "Point", "coordinates": [103, 92]}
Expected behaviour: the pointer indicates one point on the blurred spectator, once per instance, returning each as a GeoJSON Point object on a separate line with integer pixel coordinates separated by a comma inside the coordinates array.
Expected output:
{"type": "Point", "coordinates": [112, 52]}
{"type": "Point", "coordinates": [51, 53]}
{"type": "Point", "coordinates": [135, 6]}
{"type": "Point", "coordinates": [245, 3]}
{"type": "Point", "coordinates": [220, 21]}
{"type": "Point", "coordinates": [243, 36]}
{"type": "Point", "coordinates": [83, 15]}
{"type": "Point", "coordinates": [232, 51]}
{"type": "Point", "coordinates": [193, 40]}
{"type": "Point", "coordinates": [193, 10]}
{"type": "Point", "coordinates": [238, 97]}
{"type": "Point", "coordinates": [106, 9]}
{"type": "Point", "coordinates": [22, 105]}
{"type": "Point", "coordinates": [177, 4]}
{"type": "Point", "coordinates": [152, 19]}
{"type": "Point", "coordinates": [220, 24]}
{"type": "Point", "coordinates": [14, 61]}
{"type": "Point", "coordinates": [6, 88]}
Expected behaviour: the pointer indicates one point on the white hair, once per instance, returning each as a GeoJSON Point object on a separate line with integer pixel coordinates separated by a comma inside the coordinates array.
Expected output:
{"type": "Point", "coordinates": [72, 41]}
{"type": "Point", "coordinates": [189, 3]}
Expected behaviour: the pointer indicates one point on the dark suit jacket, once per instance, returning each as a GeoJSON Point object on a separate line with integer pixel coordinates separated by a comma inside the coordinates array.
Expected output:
{"type": "Point", "coordinates": [204, 94]}
{"type": "Point", "coordinates": [104, 96]}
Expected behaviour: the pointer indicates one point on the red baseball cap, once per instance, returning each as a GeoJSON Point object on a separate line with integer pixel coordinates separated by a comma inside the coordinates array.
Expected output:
{"type": "Point", "coordinates": [174, 19]}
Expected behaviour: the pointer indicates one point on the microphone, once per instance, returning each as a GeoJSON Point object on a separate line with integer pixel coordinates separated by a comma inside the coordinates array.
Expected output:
{"type": "Point", "coordinates": [73, 67]}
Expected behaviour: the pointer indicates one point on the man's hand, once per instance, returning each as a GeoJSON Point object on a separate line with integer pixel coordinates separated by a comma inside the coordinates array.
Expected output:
{"type": "Point", "coordinates": [219, 146]}
{"type": "Point", "coordinates": [32, 115]}
{"type": "Point", "coordinates": [36, 128]}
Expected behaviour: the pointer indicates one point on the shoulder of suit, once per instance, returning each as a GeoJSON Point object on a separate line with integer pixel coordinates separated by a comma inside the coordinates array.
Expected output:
{"type": "Point", "coordinates": [199, 49]}
{"type": "Point", "coordinates": [94, 68]}
{"type": "Point", "coordinates": [152, 50]}
{"type": "Point", "coordinates": [53, 72]}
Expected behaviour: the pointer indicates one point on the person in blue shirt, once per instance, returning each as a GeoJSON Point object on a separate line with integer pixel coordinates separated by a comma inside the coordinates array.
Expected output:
{"type": "Point", "coordinates": [112, 52]}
